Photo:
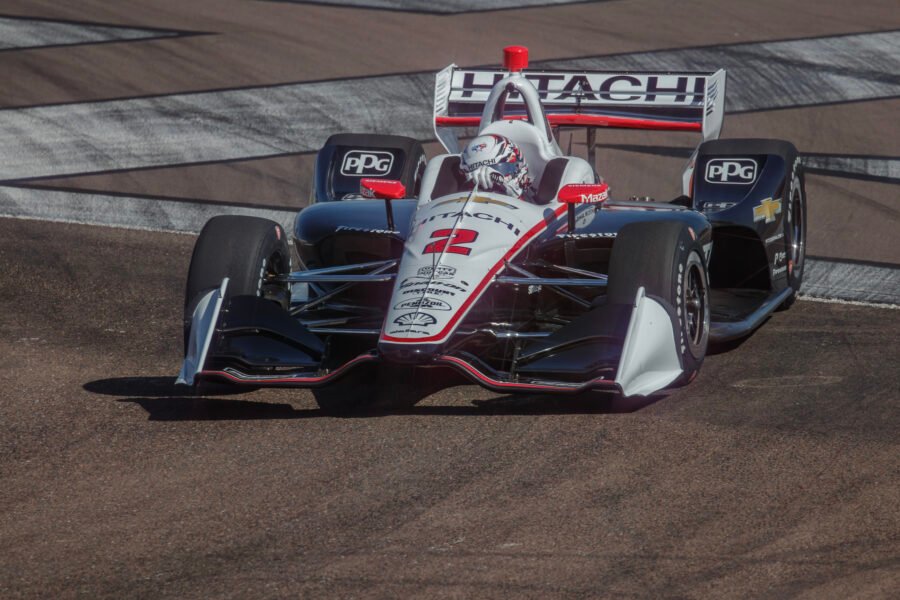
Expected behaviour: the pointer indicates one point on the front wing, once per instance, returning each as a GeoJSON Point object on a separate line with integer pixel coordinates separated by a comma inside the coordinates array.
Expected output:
{"type": "Point", "coordinates": [250, 341]}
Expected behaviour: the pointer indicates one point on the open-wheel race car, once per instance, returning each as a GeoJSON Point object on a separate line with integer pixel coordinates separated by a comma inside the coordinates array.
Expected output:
{"type": "Point", "coordinates": [505, 260]}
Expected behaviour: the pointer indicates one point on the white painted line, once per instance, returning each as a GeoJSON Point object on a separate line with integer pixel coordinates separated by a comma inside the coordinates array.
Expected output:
{"type": "Point", "coordinates": [769, 75]}
{"type": "Point", "coordinates": [849, 302]}
{"type": "Point", "coordinates": [210, 126]}
{"type": "Point", "coordinates": [837, 280]}
{"type": "Point", "coordinates": [881, 168]}
{"type": "Point", "coordinates": [33, 33]}
{"type": "Point", "coordinates": [131, 213]}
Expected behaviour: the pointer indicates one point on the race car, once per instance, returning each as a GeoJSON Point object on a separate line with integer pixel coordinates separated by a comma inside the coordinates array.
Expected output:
{"type": "Point", "coordinates": [534, 283]}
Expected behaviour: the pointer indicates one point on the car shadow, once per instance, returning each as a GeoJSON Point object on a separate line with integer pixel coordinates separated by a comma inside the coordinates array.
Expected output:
{"type": "Point", "coordinates": [165, 401]}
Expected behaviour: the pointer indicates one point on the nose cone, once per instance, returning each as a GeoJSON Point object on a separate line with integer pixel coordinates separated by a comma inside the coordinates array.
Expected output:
{"type": "Point", "coordinates": [408, 354]}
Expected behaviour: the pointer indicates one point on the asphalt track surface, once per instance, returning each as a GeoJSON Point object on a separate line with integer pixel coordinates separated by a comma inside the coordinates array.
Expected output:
{"type": "Point", "coordinates": [776, 473]}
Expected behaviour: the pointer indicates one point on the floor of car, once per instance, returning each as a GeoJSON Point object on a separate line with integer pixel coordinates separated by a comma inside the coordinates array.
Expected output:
{"type": "Point", "coordinates": [730, 305]}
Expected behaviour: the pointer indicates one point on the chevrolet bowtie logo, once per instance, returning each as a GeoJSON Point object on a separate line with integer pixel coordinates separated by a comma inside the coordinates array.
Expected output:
{"type": "Point", "coordinates": [767, 210]}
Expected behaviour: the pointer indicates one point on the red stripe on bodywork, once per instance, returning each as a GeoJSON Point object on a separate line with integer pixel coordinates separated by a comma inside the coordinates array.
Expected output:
{"type": "Point", "coordinates": [256, 380]}
{"type": "Point", "coordinates": [583, 121]}
{"type": "Point", "coordinates": [520, 243]}
{"type": "Point", "coordinates": [496, 383]}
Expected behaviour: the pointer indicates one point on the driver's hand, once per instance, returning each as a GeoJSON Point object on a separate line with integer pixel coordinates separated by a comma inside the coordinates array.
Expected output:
{"type": "Point", "coordinates": [482, 178]}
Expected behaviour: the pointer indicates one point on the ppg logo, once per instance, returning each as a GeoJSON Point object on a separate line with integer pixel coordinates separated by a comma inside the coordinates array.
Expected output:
{"type": "Point", "coordinates": [365, 163]}
{"type": "Point", "coordinates": [731, 170]}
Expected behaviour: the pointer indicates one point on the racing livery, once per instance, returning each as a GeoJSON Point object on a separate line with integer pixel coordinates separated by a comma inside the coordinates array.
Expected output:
{"type": "Point", "coordinates": [541, 283]}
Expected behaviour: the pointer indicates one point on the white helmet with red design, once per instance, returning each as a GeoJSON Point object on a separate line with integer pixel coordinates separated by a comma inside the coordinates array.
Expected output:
{"type": "Point", "coordinates": [495, 164]}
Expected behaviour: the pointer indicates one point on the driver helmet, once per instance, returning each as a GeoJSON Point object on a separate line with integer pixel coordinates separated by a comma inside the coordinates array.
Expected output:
{"type": "Point", "coordinates": [495, 164]}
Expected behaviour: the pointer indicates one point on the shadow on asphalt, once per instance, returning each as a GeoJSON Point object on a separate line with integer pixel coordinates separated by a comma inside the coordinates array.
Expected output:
{"type": "Point", "coordinates": [164, 401]}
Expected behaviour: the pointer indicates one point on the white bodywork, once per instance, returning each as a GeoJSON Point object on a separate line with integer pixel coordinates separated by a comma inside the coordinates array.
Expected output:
{"type": "Point", "coordinates": [456, 246]}
{"type": "Point", "coordinates": [203, 324]}
{"type": "Point", "coordinates": [459, 242]}
{"type": "Point", "coordinates": [649, 359]}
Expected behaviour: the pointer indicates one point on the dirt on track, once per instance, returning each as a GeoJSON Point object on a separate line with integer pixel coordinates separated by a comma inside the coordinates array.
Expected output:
{"type": "Point", "coordinates": [774, 474]}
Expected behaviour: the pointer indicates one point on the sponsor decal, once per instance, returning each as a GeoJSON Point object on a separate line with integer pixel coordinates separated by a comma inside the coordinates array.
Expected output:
{"type": "Point", "coordinates": [766, 210]}
{"type": "Point", "coordinates": [416, 319]}
{"type": "Point", "coordinates": [587, 236]}
{"type": "Point", "coordinates": [679, 302]}
{"type": "Point", "coordinates": [774, 238]}
{"type": "Point", "coordinates": [410, 282]}
{"type": "Point", "coordinates": [425, 303]}
{"type": "Point", "coordinates": [779, 270]}
{"type": "Point", "coordinates": [731, 170]}
{"type": "Point", "coordinates": [711, 94]}
{"type": "Point", "coordinates": [716, 206]}
{"type": "Point", "coordinates": [588, 193]}
{"type": "Point", "coordinates": [478, 200]}
{"type": "Point", "coordinates": [469, 167]}
{"type": "Point", "coordinates": [780, 257]}
{"type": "Point", "coordinates": [477, 215]}
{"type": "Point", "coordinates": [451, 241]}
{"type": "Point", "coordinates": [418, 331]}
{"type": "Point", "coordinates": [438, 272]}
{"type": "Point", "coordinates": [428, 289]}
{"type": "Point", "coordinates": [367, 163]}
{"type": "Point", "coordinates": [588, 88]}
{"type": "Point", "coordinates": [363, 230]}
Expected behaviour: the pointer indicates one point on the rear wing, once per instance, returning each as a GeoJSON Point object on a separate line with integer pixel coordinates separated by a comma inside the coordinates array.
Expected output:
{"type": "Point", "coordinates": [631, 100]}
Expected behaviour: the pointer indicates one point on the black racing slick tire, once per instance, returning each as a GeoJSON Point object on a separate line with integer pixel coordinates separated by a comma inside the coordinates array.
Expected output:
{"type": "Point", "coordinates": [666, 259]}
{"type": "Point", "coordinates": [247, 250]}
{"type": "Point", "coordinates": [795, 233]}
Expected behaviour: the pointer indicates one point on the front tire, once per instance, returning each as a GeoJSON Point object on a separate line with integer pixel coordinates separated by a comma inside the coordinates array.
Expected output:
{"type": "Point", "coordinates": [249, 251]}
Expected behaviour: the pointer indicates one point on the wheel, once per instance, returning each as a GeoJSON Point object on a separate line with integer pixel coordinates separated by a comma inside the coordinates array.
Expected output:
{"type": "Point", "coordinates": [247, 250]}
{"type": "Point", "coordinates": [667, 260]}
{"type": "Point", "coordinates": [795, 234]}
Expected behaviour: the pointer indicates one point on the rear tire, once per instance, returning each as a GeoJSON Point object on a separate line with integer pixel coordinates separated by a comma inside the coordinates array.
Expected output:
{"type": "Point", "coordinates": [795, 234]}
{"type": "Point", "coordinates": [247, 250]}
{"type": "Point", "coordinates": [666, 259]}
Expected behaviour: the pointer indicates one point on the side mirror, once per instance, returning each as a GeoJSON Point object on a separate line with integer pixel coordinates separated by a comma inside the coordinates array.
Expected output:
{"type": "Point", "coordinates": [385, 189]}
{"type": "Point", "coordinates": [582, 193]}
{"type": "Point", "coordinates": [578, 193]}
